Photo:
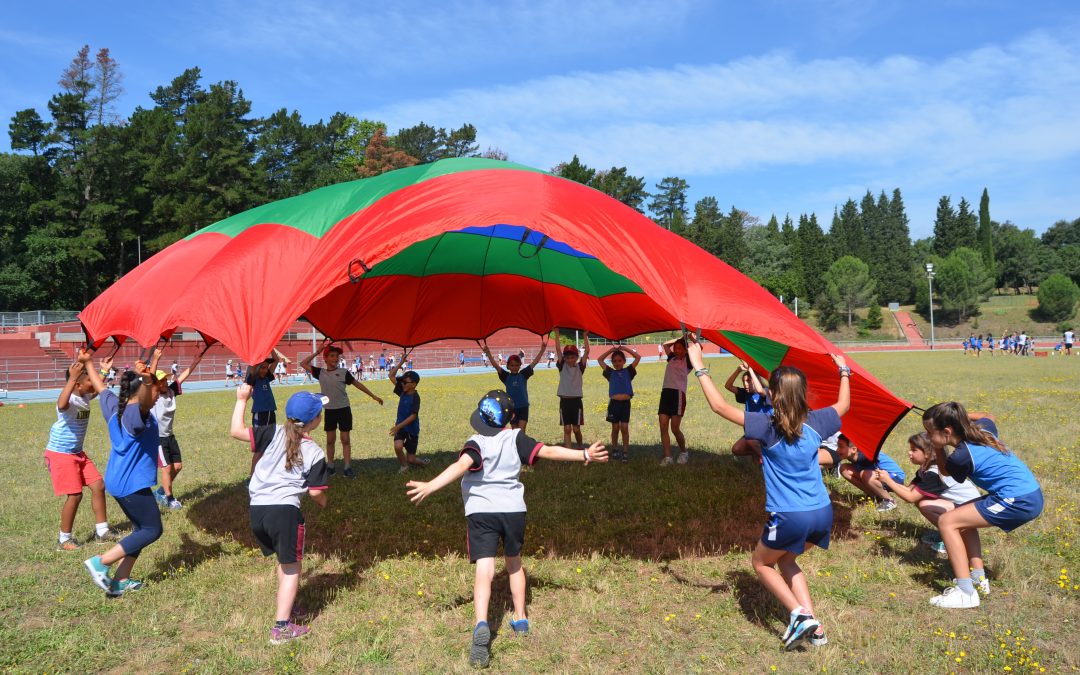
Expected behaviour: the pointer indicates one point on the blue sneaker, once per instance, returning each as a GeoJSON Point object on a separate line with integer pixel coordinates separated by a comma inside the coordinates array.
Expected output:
{"type": "Point", "coordinates": [520, 627]}
{"type": "Point", "coordinates": [118, 588]}
{"type": "Point", "coordinates": [98, 572]}
{"type": "Point", "coordinates": [479, 654]}
{"type": "Point", "coordinates": [162, 500]}
{"type": "Point", "coordinates": [800, 628]}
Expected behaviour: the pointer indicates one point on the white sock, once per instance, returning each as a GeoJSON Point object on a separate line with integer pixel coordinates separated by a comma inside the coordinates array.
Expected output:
{"type": "Point", "coordinates": [65, 536]}
{"type": "Point", "coordinates": [102, 528]}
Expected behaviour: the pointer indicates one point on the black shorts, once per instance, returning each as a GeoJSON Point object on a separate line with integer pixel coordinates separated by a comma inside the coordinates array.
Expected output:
{"type": "Point", "coordinates": [337, 418]}
{"type": "Point", "coordinates": [618, 411]}
{"type": "Point", "coordinates": [279, 528]}
{"type": "Point", "coordinates": [408, 441]}
{"type": "Point", "coordinates": [672, 402]}
{"type": "Point", "coordinates": [264, 419]}
{"type": "Point", "coordinates": [168, 451]}
{"type": "Point", "coordinates": [487, 529]}
{"type": "Point", "coordinates": [520, 415]}
{"type": "Point", "coordinates": [571, 411]}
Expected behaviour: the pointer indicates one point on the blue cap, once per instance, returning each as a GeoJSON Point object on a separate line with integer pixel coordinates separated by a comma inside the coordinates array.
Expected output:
{"type": "Point", "coordinates": [304, 406]}
{"type": "Point", "coordinates": [492, 413]}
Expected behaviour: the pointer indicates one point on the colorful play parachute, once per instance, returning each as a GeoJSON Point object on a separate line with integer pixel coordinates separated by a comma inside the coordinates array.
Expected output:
{"type": "Point", "coordinates": [460, 249]}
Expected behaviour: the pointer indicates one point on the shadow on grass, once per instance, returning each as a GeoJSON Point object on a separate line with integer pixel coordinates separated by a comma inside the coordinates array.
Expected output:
{"type": "Point", "coordinates": [636, 510]}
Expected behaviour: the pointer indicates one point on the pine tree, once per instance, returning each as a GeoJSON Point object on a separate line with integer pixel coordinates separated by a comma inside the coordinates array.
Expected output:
{"type": "Point", "coordinates": [848, 285]}
{"type": "Point", "coordinates": [986, 231]}
{"type": "Point", "coordinates": [967, 227]}
{"type": "Point", "coordinates": [847, 234]}
{"type": "Point", "coordinates": [945, 239]}
{"type": "Point", "coordinates": [668, 204]}
{"type": "Point", "coordinates": [704, 229]}
{"type": "Point", "coordinates": [732, 243]}
{"type": "Point", "coordinates": [813, 254]}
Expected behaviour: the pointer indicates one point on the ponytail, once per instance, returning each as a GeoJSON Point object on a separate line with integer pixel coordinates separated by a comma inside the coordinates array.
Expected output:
{"type": "Point", "coordinates": [129, 387]}
{"type": "Point", "coordinates": [952, 415]}
{"type": "Point", "coordinates": [294, 433]}
{"type": "Point", "coordinates": [787, 386]}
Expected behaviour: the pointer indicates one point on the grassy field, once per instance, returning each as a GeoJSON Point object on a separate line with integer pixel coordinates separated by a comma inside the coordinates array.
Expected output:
{"type": "Point", "coordinates": [631, 567]}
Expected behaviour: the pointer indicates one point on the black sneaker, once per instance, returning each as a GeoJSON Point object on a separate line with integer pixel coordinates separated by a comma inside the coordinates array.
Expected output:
{"type": "Point", "coordinates": [348, 472]}
{"type": "Point", "coordinates": [479, 654]}
{"type": "Point", "coordinates": [330, 470]}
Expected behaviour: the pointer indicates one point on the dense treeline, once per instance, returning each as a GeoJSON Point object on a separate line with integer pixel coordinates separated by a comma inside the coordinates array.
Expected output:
{"type": "Point", "coordinates": [85, 193]}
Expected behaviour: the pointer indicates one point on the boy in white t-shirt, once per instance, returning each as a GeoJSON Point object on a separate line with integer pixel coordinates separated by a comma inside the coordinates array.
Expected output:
{"type": "Point", "coordinates": [489, 467]}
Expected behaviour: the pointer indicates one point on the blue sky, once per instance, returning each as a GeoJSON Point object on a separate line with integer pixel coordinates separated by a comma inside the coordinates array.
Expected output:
{"type": "Point", "coordinates": [774, 106]}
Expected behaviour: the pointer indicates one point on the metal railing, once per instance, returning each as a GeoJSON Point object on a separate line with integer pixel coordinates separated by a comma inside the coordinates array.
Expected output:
{"type": "Point", "coordinates": [35, 318]}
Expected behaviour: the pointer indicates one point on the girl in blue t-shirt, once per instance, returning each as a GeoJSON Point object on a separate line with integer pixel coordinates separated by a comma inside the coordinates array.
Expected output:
{"type": "Point", "coordinates": [800, 511]}
{"type": "Point", "coordinates": [131, 471]}
{"type": "Point", "coordinates": [1013, 496]}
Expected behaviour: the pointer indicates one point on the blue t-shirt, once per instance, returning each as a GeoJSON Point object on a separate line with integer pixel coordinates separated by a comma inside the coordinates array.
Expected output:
{"type": "Point", "coordinates": [884, 462]}
{"type": "Point", "coordinates": [133, 456]}
{"type": "Point", "coordinates": [408, 404]}
{"type": "Point", "coordinates": [753, 402]}
{"type": "Point", "coordinates": [262, 396]}
{"type": "Point", "coordinates": [1000, 473]}
{"type": "Point", "coordinates": [620, 381]}
{"type": "Point", "coordinates": [792, 476]}
{"type": "Point", "coordinates": [517, 387]}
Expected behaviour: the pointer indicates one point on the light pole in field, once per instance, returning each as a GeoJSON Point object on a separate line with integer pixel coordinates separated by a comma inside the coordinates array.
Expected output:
{"type": "Point", "coordinates": [930, 281]}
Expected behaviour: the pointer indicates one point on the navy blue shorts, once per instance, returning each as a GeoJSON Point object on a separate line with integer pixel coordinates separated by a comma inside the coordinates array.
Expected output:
{"type": "Point", "coordinates": [618, 412]}
{"type": "Point", "coordinates": [792, 530]}
{"type": "Point", "coordinates": [520, 415]}
{"type": "Point", "coordinates": [1009, 513]}
{"type": "Point", "coordinates": [409, 441]}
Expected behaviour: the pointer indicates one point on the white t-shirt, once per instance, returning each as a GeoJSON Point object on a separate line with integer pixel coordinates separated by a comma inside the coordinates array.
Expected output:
{"type": "Point", "coordinates": [270, 483]}
{"type": "Point", "coordinates": [1068, 337]}
{"type": "Point", "coordinates": [570, 379]}
{"type": "Point", "coordinates": [675, 373]}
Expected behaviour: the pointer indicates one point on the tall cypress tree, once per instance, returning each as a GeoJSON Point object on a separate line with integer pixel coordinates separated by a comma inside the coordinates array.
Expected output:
{"type": "Point", "coordinates": [986, 232]}
{"type": "Point", "coordinates": [814, 253]}
{"type": "Point", "coordinates": [732, 244]}
{"type": "Point", "coordinates": [967, 227]}
{"type": "Point", "coordinates": [945, 239]}
{"type": "Point", "coordinates": [847, 233]}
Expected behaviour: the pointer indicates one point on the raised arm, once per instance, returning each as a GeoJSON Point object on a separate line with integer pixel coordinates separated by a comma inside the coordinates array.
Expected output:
{"type": "Point", "coordinates": [731, 413]}
{"type": "Point", "coordinates": [540, 354]}
{"type": "Point", "coordinates": [585, 353]}
{"type": "Point", "coordinates": [594, 453]}
{"type": "Point", "coordinates": [186, 372]}
{"type": "Point", "coordinates": [843, 401]}
{"type": "Point", "coordinates": [74, 371]}
{"type": "Point", "coordinates": [637, 357]}
{"type": "Point", "coordinates": [756, 383]}
{"type": "Point", "coordinates": [87, 360]}
{"type": "Point", "coordinates": [730, 384]}
{"type": "Point", "coordinates": [667, 346]}
{"type": "Point", "coordinates": [602, 359]}
{"type": "Point", "coordinates": [155, 358]}
{"type": "Point", "coordinates": [418, 490]}
{"type": "Point", "coordinates": [146, 392]}
{"type": "Point", "coordinates": [490, 359]}
{"type": "Point", "coordinates": [278, 356]}
{"type": "Point", "coordinates": [306, 362]}
{"type": "Point", "coordinates": [237, 429]}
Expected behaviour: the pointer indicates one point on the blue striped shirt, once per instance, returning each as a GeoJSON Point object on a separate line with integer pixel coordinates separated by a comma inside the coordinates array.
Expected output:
{"type": "Point", "coordinates": [69, 429]}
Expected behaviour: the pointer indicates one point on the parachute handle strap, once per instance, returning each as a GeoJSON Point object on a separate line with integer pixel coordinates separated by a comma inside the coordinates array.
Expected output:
{"type": "Point", "coordinates": [525, 237]}
{"type": "Point", "coordinates": [353, 264]}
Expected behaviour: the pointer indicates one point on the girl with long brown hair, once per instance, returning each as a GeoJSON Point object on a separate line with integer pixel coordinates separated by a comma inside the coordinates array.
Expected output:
{"type": "Point", "coordinates": [800, 510]}
{"type": "Point", "coordinates": [1014, 495]}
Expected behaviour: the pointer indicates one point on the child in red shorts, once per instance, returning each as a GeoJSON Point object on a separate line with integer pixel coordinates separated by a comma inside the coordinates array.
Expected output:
{"type": "Point", "coordinates": [71, 470]}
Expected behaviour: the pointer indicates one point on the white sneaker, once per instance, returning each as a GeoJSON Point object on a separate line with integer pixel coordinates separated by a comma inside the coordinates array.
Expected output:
{"type": "Point", "coordinates": [404, 469]}
{"type": "Point", "coordinates": [983, 586]}
{"type": "Point", "coordinates": [684, 457]}
{"type": "Point", "coordinates": [954, 598]}
{"type": "Point", "coordinates": [667, 461]}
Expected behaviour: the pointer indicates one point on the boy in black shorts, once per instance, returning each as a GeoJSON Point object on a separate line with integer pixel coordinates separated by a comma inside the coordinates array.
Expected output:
{"type": "Point", "coordinates": [406, 429]}
{"type": "Point", "coordinates": [489, 467]}
{"type": "Point", "coordinates": [338, 415]}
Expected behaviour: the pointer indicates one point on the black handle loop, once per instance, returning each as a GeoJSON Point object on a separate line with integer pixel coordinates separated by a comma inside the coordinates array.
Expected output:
{"type": "Point", "coordinates": [355, 277]}
{"type": "Point", "coordinates": [525, 237]}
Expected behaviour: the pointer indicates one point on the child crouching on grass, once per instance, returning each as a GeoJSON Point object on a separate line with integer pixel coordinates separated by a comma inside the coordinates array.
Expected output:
{"type": "Point", "coordinates": [862, 472]}
{"type": "Point", "coordinates": [931, 492]}
{"type": "Point", "coordinates": [489, 466]}
{"type": "Point", "coordinates": [1013, 497]}
{"type": "Point", "coordinates": [289, 464]}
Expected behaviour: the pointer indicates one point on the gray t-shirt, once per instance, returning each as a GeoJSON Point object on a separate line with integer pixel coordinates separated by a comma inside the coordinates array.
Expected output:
{"type": "Point", "coordinates": [570, 379]}
{"type": "Point", "coordinates": [271, 484]}
{"type": "Point", "coordinates": [675, 373]}
{"type": "Point", "coordinates": [165, 409]}
{"type": "Point", "coordinates": [333, 383]}
{"type": "Point", "coordinates": [491, 484]}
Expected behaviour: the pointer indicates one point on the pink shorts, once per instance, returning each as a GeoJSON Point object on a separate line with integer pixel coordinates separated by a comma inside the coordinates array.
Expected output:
{"type": "Point", "coordinates": [70, 472]}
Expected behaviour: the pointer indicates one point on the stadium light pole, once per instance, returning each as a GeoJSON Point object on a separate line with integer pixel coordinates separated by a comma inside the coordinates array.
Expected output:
{"type": "Point", "coordinates": [930, 281]}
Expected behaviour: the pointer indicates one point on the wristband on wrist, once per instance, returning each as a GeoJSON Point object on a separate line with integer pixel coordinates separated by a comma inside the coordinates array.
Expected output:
{"type": "Point", "coordinates": [845, 371]}
{"type": "Point", "coordinates": [585, 452]}
{"type": "Point", "coordinates": [701, 371]}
